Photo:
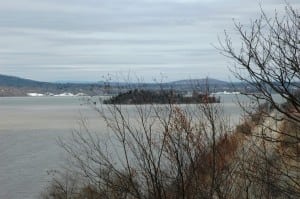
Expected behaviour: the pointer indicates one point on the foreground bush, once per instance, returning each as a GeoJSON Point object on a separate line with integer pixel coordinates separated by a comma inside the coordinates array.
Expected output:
{"type": "Point", "coordinates": [152, 151]}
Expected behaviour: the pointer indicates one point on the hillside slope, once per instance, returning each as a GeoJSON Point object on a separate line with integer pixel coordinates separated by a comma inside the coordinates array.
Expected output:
{"type": "Point", "coordinates": [13, 81]}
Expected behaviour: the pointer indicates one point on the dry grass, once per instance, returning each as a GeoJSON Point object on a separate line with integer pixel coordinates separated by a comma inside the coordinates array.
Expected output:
{"type": "Point", "coordinates": [244, 128]}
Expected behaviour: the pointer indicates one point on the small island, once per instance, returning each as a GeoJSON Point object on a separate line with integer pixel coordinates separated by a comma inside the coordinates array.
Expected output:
{"type": "Point", "coordinates": [137, 96]}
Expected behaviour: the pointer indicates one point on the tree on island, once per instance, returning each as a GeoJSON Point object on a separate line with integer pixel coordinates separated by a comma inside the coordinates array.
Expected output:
{"type": "Point", "coordinates": [142, 96]}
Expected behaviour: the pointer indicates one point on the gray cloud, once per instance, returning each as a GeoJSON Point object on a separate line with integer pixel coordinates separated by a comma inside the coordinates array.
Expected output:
{"type": "Point", "coordinates": [84, 39]}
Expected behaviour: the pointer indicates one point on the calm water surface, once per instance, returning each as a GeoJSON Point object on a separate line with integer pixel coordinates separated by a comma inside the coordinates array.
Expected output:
{"type": "Point", "coordinates": [29, 129]}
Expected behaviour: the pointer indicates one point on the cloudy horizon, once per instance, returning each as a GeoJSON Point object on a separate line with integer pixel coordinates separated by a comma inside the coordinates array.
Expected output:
{"type": "Point", "coordinates": [85, 40]}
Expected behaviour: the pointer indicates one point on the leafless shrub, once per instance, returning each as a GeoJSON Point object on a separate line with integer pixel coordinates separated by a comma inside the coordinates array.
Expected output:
{"type": "Point", "coordinates": [154, 151]}
{"type": "Point", "coordinates": [63, 186]}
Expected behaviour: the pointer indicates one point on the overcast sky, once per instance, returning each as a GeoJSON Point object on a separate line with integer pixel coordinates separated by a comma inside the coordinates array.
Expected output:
{"type": "Point", "coordinates": [84, 40]}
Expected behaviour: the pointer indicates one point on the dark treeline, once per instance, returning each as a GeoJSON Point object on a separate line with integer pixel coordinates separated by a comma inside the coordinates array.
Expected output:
{"type": "Point", "coordinates": [160, 97]}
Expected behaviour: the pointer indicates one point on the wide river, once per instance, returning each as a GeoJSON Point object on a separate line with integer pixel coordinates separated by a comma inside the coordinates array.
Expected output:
{"type": "Point", "coordinates": [29, 129]}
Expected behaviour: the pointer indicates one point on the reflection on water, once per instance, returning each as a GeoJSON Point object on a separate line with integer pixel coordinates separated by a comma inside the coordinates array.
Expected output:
{"type": "Point", "coordinates": [29, 128]}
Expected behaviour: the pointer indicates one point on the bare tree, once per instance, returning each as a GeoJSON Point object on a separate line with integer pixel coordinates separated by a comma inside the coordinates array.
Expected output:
{"type": "Point", "coordinates": [268, 61]}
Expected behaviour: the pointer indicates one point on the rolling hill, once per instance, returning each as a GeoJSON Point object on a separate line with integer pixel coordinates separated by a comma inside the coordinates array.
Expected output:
{"type": "Point", "coordinates": [16, 86]}
{"type": "Point", "coordinates": [13, 81]}
{"type": "Point", "coordinates": [203, 81]}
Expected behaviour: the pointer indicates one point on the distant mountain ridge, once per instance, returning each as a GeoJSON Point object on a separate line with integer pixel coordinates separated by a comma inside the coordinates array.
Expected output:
{"type": "Point", "coordinates": [16, 86]}
{"type": "Point", "coordinates": [200, 81]}
{"type": "Point", "coordinates": [6, 80]}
